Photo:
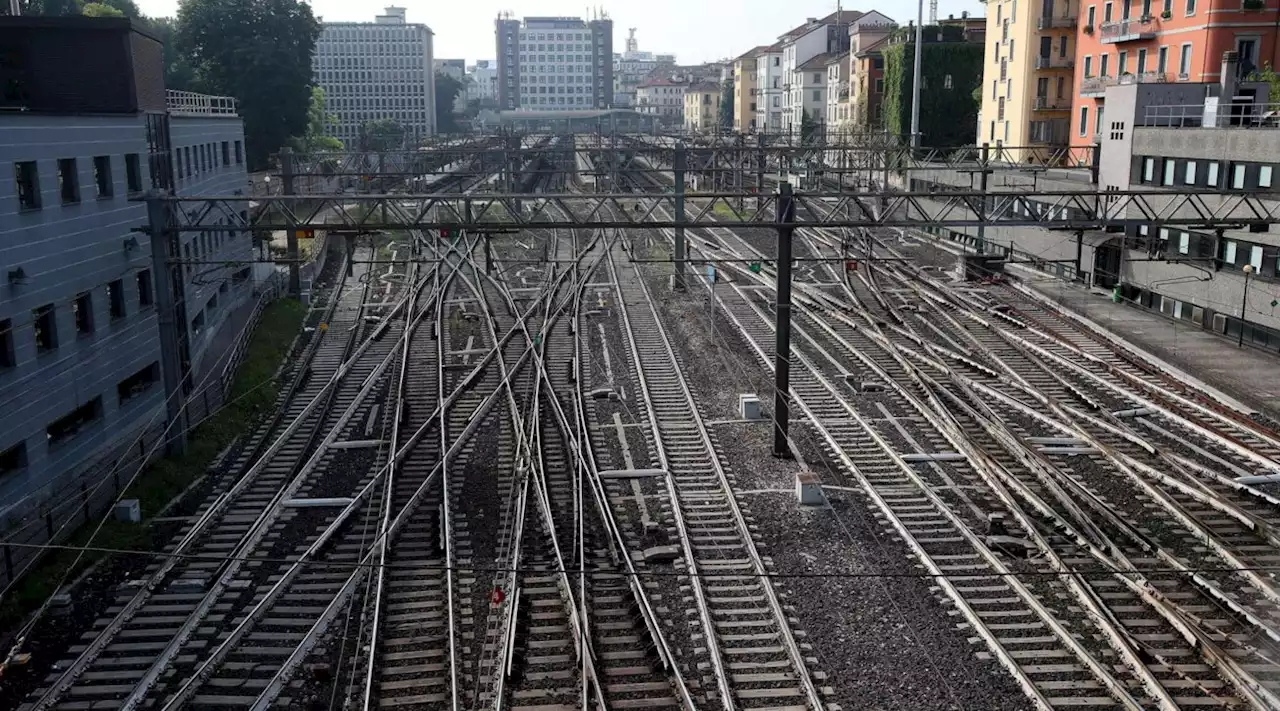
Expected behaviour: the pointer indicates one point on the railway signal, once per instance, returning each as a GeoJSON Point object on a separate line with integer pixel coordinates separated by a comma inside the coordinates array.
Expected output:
{"type": "Point", "coordinates": [755, 267]}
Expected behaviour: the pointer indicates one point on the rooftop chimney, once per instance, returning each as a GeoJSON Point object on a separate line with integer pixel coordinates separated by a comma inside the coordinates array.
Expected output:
{"type": "Point", "coordinates": [1227, 80]}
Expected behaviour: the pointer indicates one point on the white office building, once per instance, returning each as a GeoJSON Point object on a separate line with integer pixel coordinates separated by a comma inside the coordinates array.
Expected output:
{"type": "Point", "coordinates": [555, 63]}
{"type": "Point", "coordinates": [377, 70]}
{"type": "Point", "coordinates": [482, 81]}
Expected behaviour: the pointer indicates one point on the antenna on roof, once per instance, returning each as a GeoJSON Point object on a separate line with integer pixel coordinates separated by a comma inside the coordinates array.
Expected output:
{"type": "Point", "coordinates": [933, 12]}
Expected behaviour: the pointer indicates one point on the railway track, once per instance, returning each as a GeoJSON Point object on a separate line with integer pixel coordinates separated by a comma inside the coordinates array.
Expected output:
{"type": "Point", "coordinates": [753, 657]}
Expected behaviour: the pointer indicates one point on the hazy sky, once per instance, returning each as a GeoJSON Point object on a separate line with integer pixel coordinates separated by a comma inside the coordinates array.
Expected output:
{"type": "Point", "coordinates": [695, 30]}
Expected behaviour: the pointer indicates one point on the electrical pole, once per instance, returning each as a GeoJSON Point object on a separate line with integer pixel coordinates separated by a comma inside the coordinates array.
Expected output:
{"type": "Point", "coordinates": [290, 235]}
{"type": "Point", "coordinates": [677, 169]}
{"type": "Point", "coordinates": [782, 308]}
{"type": "Point", "coordinates": [985, 169]}
{"type": "Point", "coordinates": [170, 317]}
{"type": "Point", "coordinates": [915, 81]}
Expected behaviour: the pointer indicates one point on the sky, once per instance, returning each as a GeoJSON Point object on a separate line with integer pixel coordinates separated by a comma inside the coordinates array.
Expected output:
{"type": "Point", "coordinates": [694, 30]}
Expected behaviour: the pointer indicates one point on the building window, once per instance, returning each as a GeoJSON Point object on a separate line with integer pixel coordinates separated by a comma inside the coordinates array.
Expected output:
{"type": "Point", "coordinates": [226, 153]}
{"type": "Point", "coordinates": [82, 309]}
{"type": "Point", "coordinates": [1104, 64]}
{"type": "Point", "coordinates": [115, 297]}
{"type": "Point", "coordinates": [138, 383]}
{"type": "Point", "coordinates": [1229, 252]}
{"type": "Point", "coordinates": [1106, 12]}
{"type": "Point", "coordinates": [144, 288]}
{"type": "Point", "coordinates": [133, 172]}
{"type": "Point", "coordinates": [1092, 15]}
{"type": "Point", "coordinates": [1237, 177]}
{"type": "Point", "coordinates": [1169, 167]}
{"type": "Point", "coordinates": [239, 155]}
{"type": "Point", "coordinates": [68, 180]}
{"type": "Point", "coordinates": [1211, 175]}
{"type": "Point", "coordinates": [1148, 170]}
{"type": "Point", "coordinates": [13, 459]}
{"type": "Point", "coordinates": [1088, 65]}
{"type": "Point", "coordinates": [946, 82]}
{"type": "Point", "coordinates": [7, 359]}
{"type": "Point", "coordinates": [1190, 177]}
{"type": "Point", "coordinates": [27, 178]}
{"type": "Point", "coordinates": [1084, 120]}
{"type": "Point", "coordinates": [1184, 243]}
{"type": "Point", "coordinates": [102, 175]}
{"type": "Point", "coordinates": [1191, 7]}
{"type": "Point", "coordinates": [1264, 176]}
{"type": "Point", "coordinates": [1184, 62]}
{"type": "Point", "coordinates": [64, 428]}
{"type": "Point", "coordinates": [45, 323]}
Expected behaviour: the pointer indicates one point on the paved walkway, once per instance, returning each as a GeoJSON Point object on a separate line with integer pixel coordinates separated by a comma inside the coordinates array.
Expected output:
{"type": "Point", "coordinates": [1248, 375]}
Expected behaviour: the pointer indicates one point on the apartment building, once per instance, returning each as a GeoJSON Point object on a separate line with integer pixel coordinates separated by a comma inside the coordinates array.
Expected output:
{"type": "Point", "coordinates": [866, 73]}
{"type": "Point", "coordinates": [632, 67]}
{"type": "Point", "coordinates": [88, 128]}
{"type": "Point", "coordinates": [554, 63]}
{"type": "Point", "coordinates": [663, 98]}
{"type": "Point", "coordinates": [769, 89]}
{"type": "Point", "coordinates": [377, 70]}
{"type": "Point", "coordinates": [702, 108]}
{"type": "Point", "coordinates": [482, 81]}
{"type": "Point", "coordinates": [817, 36]}
{"type": "Point", "coordinates": [1162, 41]}
{"type": "Point", "coordinates": [808, 93]}
{"type": "Point", "coordinates": [745, 80]}
{"type": "Point", "coordinates": [839, 112]}
{"type": "Point", "coordinates": [1208, 136]}
{"type": "Point", "coordinates": [1028, 73]}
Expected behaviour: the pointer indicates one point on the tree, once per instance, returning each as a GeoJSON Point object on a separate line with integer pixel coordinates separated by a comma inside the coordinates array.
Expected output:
{"type": "Point", "coordinates": [1268, 74]}
{"type": "Point", "coordinates": [258, 51]}
{"type": "Point", "coordinates": [726, 105]}
{"type": "Point", "coordinates": [447, 89]}
{"type": "Point", "coordinates": [808, 127]}
{"type": "Point", "coordinates": [178, 72]}
{"type": "Point", "coordinates": [318, 121]}
{"type": "Point", "coordinates": [97, 9]}
{"type": "Point", "coordinates": [381, 135]}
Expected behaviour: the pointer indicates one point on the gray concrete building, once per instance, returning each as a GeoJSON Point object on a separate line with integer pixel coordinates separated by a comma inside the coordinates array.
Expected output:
{"type": "Point", "coordinates": [80, 140]}
{"type": "Point", "coordinates": [377, 70]}
{"type": "Point", "coordinates": [554, 63]}
{"type": "Point", "coordinates": [1217, 137]}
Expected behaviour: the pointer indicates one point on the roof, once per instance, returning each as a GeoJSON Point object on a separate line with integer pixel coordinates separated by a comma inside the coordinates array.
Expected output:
{"type": "Point", "coordinates": [818, 61]}
{"type": "Point", "coordinates": [753, 52]}
{"type": "Point", "coordinates": [834, 57]}
{"type": "Point", "coordinates": [659, 82]}
{"type": "Point", "coordinates": [705, 86]}
{"type": "Point", "coordinates": [534, 114]}
{"type": "Point", "coordinates": [874, 47]}
{"type": "Point", "coordinates": [838, 16]}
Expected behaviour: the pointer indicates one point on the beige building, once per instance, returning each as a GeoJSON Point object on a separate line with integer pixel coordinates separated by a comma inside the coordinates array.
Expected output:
{"type": "Point", "coordinates": [702, 107]}
{"type": "Point", "coordinates": [1027, 79]}
{"type": "Point", "coordinates": [745, 85]}
{"type": "Point", "coordinates": [663, 98]}
{"type": "Point", "coordinates": [839, 113]}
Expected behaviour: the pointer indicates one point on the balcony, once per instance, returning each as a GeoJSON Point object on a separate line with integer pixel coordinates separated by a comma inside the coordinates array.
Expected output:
{"type": "Point", "coordinates": [187, 103]}
{"type": "Point", "coordinates": [1096, 87]}
{"type": "Point", "coordinates": [1058, 23]}
{"type": "Point", "coordinates": [1043, 62]}
{"type": "Point", "coordinates": [1127, 30]}
{"type": "Point", "coordinates": [1045, 103]}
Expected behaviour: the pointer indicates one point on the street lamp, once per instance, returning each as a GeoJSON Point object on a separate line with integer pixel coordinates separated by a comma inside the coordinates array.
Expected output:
{"type": "Point", "coordinates": [1244, 301]}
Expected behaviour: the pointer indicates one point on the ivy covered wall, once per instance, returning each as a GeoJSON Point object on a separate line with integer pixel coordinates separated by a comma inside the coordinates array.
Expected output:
{"type": "Point", "coordinates": [948, 110]}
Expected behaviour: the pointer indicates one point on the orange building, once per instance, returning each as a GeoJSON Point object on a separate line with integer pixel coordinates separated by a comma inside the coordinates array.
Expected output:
{"type": "Point", "coordinates": [1143, 41]}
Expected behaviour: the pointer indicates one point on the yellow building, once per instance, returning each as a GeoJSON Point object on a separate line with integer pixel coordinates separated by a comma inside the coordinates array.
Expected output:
{"type": "Point", "coordinates": [702, 107]}
{"type": "Point", "coordinates": [745, 83]}
{"type": "Point", "coordinates": [1027, 79]}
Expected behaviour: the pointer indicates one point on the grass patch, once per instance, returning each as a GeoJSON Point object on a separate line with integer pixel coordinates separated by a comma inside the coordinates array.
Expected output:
{"type": "Point", "coordinates": [253, 397]}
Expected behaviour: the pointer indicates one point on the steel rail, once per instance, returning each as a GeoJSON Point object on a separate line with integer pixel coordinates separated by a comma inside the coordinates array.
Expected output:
{"type": "Point", "coordinates": [276, 684]}
{"type": "Point", "coordinates": [813, 698]}
{"type": "Point", "coordinates": [379, 585]}
{"type": "Point", "coordinates": [1166, 608]}
{"type": "Point", "coordinates": [533, 456]}
{"type": "Point", "coordinates": [255, 534]}
{"type": "Point", "coordinates": [583, 452]}
{"type": "Point", "coordinates": [100, 642]}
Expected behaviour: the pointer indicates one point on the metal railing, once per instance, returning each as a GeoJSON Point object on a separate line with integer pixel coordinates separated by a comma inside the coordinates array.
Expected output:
{"type": "Point", "coordinates": [192, 104]}
{"type": "Point", "coordinates": [1060, 22]}
{"type": "Point", "coordinates": [1043, 62]}
{"type": "Point", "coordinates": [1045, 103]}
{"type": "Point", "coordinates": [1093, 85]}
{"type": "Point", "coordinates": [1115, 31]}
{"type": "Point", "coordinates": [1266, 115]}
